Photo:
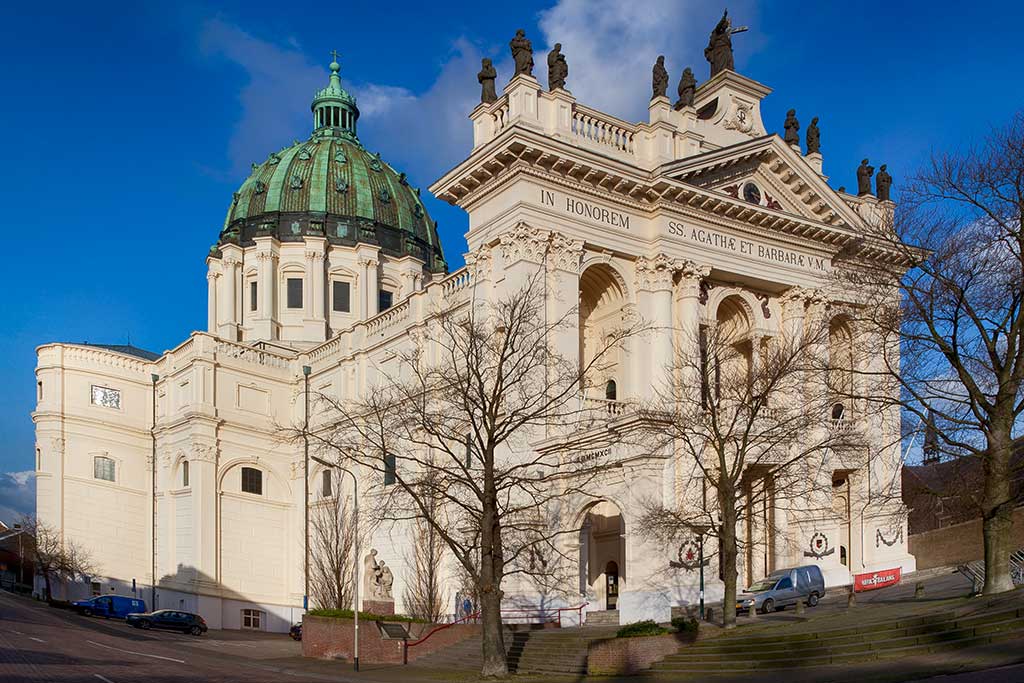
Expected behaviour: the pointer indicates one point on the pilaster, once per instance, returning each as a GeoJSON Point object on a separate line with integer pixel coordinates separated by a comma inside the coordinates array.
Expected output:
{"type": "Point", "coordinates": [653, 277]}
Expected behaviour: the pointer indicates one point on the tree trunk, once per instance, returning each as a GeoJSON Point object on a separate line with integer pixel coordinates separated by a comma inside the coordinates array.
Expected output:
{"type": "Point", "coordinates": [997, 518]}
{"type": "Point", "coordinates": [46, 582]}
{"type": "Point", "coordinates": [495, 663]}
{"type": "Point", "coordinates": [729, 552]}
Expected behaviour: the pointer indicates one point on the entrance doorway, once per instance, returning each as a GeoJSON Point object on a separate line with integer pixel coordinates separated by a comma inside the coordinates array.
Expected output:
{"type": "Point", "coordinates": [603, 555]}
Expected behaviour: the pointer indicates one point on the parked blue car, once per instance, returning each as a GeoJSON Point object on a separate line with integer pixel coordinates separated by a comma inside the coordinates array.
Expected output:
{"type": "Point", "coordinates": [109, 606]}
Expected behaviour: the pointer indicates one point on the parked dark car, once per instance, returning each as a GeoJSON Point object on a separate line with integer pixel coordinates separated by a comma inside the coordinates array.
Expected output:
{"type": "Point", "coordinates": [169, 620]}
{"type": "Point", "coordinates": [116, 606]}
{"type": "Point", "coordinates": [295, 631]}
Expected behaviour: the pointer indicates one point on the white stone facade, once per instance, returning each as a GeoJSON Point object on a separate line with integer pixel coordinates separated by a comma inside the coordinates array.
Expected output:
{"type": "Point", "coordinates": [648, 219]}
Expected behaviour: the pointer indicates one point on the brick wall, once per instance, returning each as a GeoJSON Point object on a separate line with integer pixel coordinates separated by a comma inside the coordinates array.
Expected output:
{"type": "Point", "coordinates": [957, 544]}
{"type": "Point", "coordinates": [625, 656]}
{"type": "Point", "coordinates": [327, 638]}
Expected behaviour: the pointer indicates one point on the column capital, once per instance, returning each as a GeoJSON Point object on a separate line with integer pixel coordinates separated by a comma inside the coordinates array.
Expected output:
{"type": "Point", "coordinates": [480, 262]}
{"type": "Point", "coordinates": [565, 253]}
{"type": "Point", "coordinates": [524, 243]}
{"type": "Point", "coordinates": [655, 273]}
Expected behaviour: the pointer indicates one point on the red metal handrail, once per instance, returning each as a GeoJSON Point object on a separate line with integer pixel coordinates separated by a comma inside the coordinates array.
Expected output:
{"type": "Point", "coordinates": [578, 609]}
{"type": "Point", "coordinates": [442, 627]}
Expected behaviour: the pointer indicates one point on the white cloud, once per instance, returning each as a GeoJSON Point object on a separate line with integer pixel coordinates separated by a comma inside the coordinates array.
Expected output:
{"type": "Point", "coordinates": [611, 46]}
{"type": "Point", "coordinates": [17, 495]}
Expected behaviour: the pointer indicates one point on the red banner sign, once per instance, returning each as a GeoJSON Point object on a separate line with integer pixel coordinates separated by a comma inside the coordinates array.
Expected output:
{"type": "Point", "coordinates": [874, 580]}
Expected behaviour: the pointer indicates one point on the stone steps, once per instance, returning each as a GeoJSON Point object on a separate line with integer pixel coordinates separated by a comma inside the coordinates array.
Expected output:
{"type": "Point", "coordinates": [946, 630]}
{"type": "Point", "coordinates": [540, 651]}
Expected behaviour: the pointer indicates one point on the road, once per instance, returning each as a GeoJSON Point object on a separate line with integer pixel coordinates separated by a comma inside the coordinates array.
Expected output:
{"type": "Point", "coordinates": [39, 643]}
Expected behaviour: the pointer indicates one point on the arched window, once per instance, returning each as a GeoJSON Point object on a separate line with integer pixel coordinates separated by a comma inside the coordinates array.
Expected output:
{"type": "Point", "coordinates": [103, 468]}
{"type": "Point", "coordinates": [252, 481]}
{"type": "Point", "coordinates": [609, 390]}
{"type": "Point", "coordinates": [390, 469]}
{"type": "Point", "coordinates": [184, 473]}
{"type": "Point", "coordinates": [837, 412]}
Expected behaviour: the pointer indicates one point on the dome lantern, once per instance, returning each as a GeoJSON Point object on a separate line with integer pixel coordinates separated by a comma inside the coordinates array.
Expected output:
{"type": "Point", "coordinates": [334, 109]}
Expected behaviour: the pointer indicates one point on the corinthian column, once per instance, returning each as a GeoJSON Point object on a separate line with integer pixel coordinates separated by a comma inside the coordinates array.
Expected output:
{"type": "Point", "coordinates": [688, 307]}
{"type": "Point", "coordinates": [653, 281]}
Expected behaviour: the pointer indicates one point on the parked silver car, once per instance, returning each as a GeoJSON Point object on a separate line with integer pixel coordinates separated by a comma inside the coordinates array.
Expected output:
{"type": "Point", "coordinates": [783, 588]}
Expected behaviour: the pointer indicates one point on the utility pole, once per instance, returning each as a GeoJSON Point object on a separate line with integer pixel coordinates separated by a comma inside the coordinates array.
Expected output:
{"type": "Point", "coordinates": [306, 370]}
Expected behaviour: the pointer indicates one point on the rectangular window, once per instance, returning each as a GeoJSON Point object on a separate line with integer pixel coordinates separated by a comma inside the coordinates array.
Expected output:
{"type": "Point", "coordinates": [39, 391]}
{"type": "Point", "coordinates": [325, 489]}
{"type": "Point", "coordinates": [384, 299]}
{"type": "Point", "coordinates": [95, 585]}
{"type": "Point", "coordinates": [390, 469]}
{"type": "Point", "coordinates": [252, 619]}
{"type": "Point", "coordinates": [103, 468]}
{"type": "Point", "coordinates": [253, 295]}
{"type": "Point", "coordinates": [294, 292]}
{"type": "Point", "coordinates": [252, 481]}
{"type": "Point", "coordinates": [342, 297]}
{"type": "Point", "coordinates": [106, 397]}
{"type": "Point", "coordinates": [184, 473]}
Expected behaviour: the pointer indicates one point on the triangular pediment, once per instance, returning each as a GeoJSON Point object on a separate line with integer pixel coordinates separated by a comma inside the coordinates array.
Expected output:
{"type": "Point", "coordinates": [767, 172]}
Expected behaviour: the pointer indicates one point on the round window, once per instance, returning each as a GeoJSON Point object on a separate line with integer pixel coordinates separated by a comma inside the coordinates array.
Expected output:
{"type": "Point", "coordinates": [752, 193]}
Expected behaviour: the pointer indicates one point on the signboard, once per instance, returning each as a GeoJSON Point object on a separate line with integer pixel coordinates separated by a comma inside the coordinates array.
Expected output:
{"type": "Point", "coordinates": [393, 631]}
{"type": "Point", "coordinates": [875, 580]}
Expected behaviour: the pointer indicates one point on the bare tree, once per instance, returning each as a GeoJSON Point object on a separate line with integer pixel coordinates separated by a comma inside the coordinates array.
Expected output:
{"type": "Point", "coordinates": [55, 558]}
{"type": "Point", "coordinates": [424, 596]}
{"type": "Point", "coordinates": [954, 328]}
{"type": "Point", "coordinates": [747, 419]}
{"type": "Point", "coordinates": [449, 432]}
{"type": "Point", "coordinates": [332, 540]}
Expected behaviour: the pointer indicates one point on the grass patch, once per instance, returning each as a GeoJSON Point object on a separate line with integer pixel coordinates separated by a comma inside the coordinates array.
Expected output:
{"type": "Point", "coordinates": [367, 616]}
{"type": "Point", "coordinates": [641, 628]}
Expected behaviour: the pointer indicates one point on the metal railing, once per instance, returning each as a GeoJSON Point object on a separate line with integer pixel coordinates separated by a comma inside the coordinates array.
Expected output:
{"type": "Point", "coordinates": [975, 571]}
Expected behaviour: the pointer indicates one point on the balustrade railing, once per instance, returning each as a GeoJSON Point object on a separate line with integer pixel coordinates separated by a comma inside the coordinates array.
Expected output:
{"type": "Point", "coordinates": [597, 128]}
{"type": "Point", "coordinates": [604, 406]}
{"type": "Point", "coordinates": [248, 354]}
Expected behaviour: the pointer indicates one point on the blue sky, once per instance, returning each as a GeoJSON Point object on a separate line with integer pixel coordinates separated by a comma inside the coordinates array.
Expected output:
{"type": "Point", "coordinates": [128, 126]}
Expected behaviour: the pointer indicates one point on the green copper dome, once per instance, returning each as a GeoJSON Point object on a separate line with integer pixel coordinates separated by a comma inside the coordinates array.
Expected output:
{"type": "Point", "coordinates": [330, 186]}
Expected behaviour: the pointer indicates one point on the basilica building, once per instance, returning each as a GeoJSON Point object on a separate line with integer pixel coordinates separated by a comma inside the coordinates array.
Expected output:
{"type": "Point", "coordinates": [169, 468]}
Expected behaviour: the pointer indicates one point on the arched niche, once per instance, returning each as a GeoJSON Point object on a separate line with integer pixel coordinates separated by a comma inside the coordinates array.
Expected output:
{"type": "Point", "coordinates": [603, 297]}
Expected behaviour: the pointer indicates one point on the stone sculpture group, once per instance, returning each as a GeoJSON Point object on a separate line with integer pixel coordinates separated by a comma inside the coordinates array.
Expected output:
{"type": "Point", "coordinates": [377, 578]}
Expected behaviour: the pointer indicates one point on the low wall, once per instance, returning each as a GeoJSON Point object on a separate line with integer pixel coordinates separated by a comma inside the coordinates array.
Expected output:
{"type": "Point", "coordinates": [328, 638]}
{"type": "Point", "coordinates": [626, 656]}
{"type": "Point", "coordinates": [957, 544]}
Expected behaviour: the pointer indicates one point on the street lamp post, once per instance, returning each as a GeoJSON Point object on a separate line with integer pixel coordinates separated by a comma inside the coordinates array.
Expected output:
{"type": "Point", "coordinates": [355, 525]}
{"type": "Point", "coordinates": [701, 530]}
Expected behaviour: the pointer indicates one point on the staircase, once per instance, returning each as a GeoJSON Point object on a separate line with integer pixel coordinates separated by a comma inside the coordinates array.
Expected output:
{"type": "Point", "coordinates": [529, 649]}
{"type": "Point", "coordinates": [814, 644]}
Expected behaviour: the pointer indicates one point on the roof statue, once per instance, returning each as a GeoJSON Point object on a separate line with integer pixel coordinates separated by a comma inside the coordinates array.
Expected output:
{"type": "Point", "coordinates": [792, 126]}
{"type": "Point", "coordinates": [813, 137]}
{"type": "Point", "coordinates": [558, 68]}
{"type": "Point", "coordinates": [486, 79]}
{"type": "Point", "coordinates": [883, 184]}
{"type": "Point", "coordinates": [864, 173]}
{"type": "Point", "coordinates": [687, 89]}
{"type": "Point", "coordinates": [522, 53]}
{"type": "Point", "coordinates": [719, 49]}
{"type": "Point", "coordinates": [659, 78]}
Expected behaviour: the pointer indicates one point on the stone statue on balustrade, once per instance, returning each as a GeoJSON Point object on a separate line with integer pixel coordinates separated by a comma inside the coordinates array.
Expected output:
{"type": "Point", "coordinates": [659, 78]}
{"type": "Point", "coordinates": [883, 184]}
{"type": "Point", "coordinates": [486, 79]}
{"type": "Point", "coordinates": [522, 53]}
{"type": "Point", "coordinates": [792, 127]}
{"type": "Point", "coordinates": [558, 68]}
{"type": "Point", "coordinates": [687, 89]}
{"type": "Point", "coordinates": [813, 137]}
{"type": "Point", "coordinates": [719, 49]}
{"type": "Point", "coordinates": [864, 173]}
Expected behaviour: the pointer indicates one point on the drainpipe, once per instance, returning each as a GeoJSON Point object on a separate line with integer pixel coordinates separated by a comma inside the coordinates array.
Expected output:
{"type": "Point", "coordinates": [152, 436]}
